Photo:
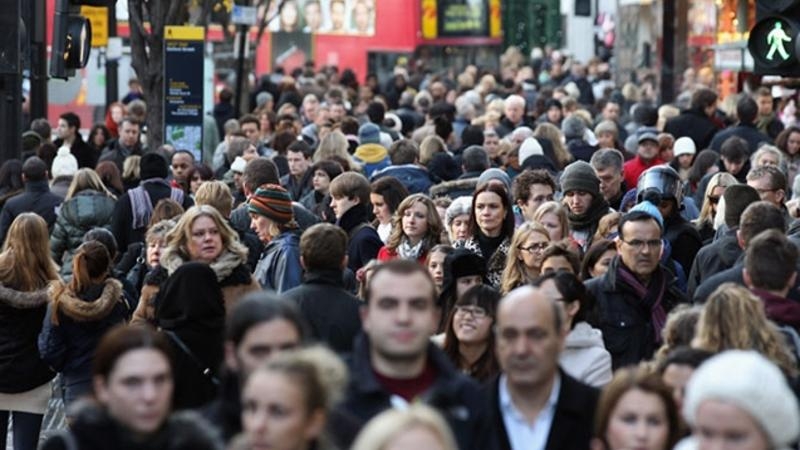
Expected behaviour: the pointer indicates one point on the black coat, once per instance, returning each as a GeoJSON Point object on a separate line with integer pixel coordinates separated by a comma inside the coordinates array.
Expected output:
{"type": "Point", "coordinates": [453, 394]}
{"type": "Point", "coordinates": [626, 324]}
{"type": "Point", "coordinates": [714, 258]}
{"type": "Point", "coordinates": [94, 429]}
{"type": "Point", "coordinates": [83, 152]}
{"type": "Point", "coordinates": [121, 224]}
{"type": "Point", "coordinates": [21, 315]}
{"type": "Point", "coordinates": [364, 242]}
{"type": "Point", "coordinates": [37, 198]}
{"type": "Point", "coordinates": [117, 154]}
{"type": "Point", "coordinates": [573, 420]}
{"type": "Point", "coordinates": [695, 124]}
{"type": "Point", "coordinates": [331, 311]}
{"type": "Point", "coordinates": [684, 241]}
{"type": "Point", "coordinates": [749, 133]}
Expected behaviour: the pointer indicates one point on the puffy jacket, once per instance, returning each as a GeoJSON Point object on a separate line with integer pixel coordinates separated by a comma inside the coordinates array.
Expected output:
{"type": "Point", "coordinates": [86, 210]}
{"type": "Point", "coordinates": [68, 347]}
{"type": "Point", "coordinates": [279, 268]}
{"type": "Point", "coordinates": [372, 157]}
{"type": "Point", "coordinates": [415, 178]}
{"type": "Point", "coordinates": [21, 314]}
{"type": "Point", "coordinates": [585, 357]}
{"type": "Point", "coordinates": [625, 322]}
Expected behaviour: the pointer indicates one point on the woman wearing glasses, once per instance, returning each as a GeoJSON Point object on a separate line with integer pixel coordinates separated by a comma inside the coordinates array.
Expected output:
{"type": "Point", "coordinates": [524, 260]}
{"type": "Point", "coordinates": [716, 187]}
{"type": "Point", "coordinates": [469, 340]}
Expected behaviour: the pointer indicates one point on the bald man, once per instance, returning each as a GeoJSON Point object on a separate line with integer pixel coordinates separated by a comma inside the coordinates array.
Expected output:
{"type": "Point", "coordinates": [535, 404]}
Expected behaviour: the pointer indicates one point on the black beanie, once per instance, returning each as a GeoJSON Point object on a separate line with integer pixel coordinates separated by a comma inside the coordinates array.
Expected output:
{"type": "Point", "coordinates": [152, 165]}
{"type": "Point", "coordinates": [737, 198]}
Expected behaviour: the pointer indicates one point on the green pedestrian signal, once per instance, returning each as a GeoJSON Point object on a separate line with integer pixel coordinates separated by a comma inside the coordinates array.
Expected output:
{"type": "Point", "coordinates": [776, 39]}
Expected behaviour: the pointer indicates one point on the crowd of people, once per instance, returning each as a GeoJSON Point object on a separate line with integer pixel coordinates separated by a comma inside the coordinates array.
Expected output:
{"type": "Point", "coordinates": [531, 257]}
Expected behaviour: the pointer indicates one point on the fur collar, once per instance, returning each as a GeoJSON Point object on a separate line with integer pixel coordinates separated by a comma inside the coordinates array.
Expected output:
{"type": "Point", "coordinates": [22, 300]}
{"type": "Point", "coordinates": [223, 266]}
{"type": "Point", "coordinates": [81, 310]}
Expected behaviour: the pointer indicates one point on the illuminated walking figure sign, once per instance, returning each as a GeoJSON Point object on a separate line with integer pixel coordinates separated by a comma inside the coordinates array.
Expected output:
{"type": "Point", "coordinates": [775, 40]}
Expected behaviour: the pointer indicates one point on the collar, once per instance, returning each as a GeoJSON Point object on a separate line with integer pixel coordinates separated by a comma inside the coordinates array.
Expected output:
{"type": "Point", "coordinates": [331, 277]}
{"type": "Point", "coordinates": [37, 186]}
{"type": "Point", "coordinates": [507, 403]}
{"type": "Point", "coordinates": [353, 217]}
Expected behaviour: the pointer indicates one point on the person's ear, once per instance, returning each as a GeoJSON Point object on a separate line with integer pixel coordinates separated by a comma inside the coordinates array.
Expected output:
{"type": "Point", "coordinates": [740, 239]}
{"type": "Point", "coordinates": [230, 356]}
{"type": "Point", "coordinates": [345, 260]}
{"type": "Point", "coordinates": [792, 280]}
{"type": "Point", "coordinates": [303, 263]}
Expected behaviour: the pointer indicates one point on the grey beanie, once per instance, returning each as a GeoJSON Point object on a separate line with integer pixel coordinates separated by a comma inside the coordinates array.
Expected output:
{"type": "Point", "coordinates": [573, 127]}
{"type": "Point", "coordinates": [495, 174]}
{"type": "Point", "coordinates": [579, 176]}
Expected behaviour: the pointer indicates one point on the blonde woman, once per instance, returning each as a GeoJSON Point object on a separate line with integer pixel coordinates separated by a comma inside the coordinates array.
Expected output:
{"type": "Point", "coordinates": [88, 205]}
{"type": "Point", "coordinates": [524, 259]}
{"type": "Point", "coordinates": [201, 235]}
{"type": "Point", "coordinates": [419, 426]}
{"type": "Point", "coordinates": [556, 137]}
{"type": "Point", "coordinates": [416, 228]}
{"type": "Point", "coordinates": [714, 190]}
{"type": "Point", "coordinates": [334, 147]}
{"type": "Point", "coordinates": [553, 217]}
{"type": "Point", "coordinates": [734, 319]}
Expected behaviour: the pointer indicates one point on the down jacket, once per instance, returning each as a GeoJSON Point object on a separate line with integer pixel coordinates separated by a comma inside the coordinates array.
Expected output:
{"type": "Point", "coordinates": [85, 210]}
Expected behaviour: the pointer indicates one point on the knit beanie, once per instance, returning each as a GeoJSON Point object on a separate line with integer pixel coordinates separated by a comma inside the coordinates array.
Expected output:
{"type": "Point", "coordinates": [573, 127]}
{"type": "Point", "coordinates": [64, 164]}
{"type": "Point", "coordinates": [684, 146]}
{"type": "Point", "coordinates": [530, 146]}
{"type": "Point", "coordinates": [464, 263]}
{"type": "Point", "coordinates": [649, 208]}
{"type": "Point", "coordinates": [238, 165]}
{"type": "Point", "coordinates": [753, 384]}
{"type": "Point", "coordinates": [369, 133]}
{"type": "Point", "coordinates": [495, 174]}
{"type": "Point", "coordinates": [737, 198]}
{"type": "Point", "coordinates": [272, 201]}
{"type": "Point", "coordinates": [152, 165]}
{"type": "Point", "coordinates": [579, 176]}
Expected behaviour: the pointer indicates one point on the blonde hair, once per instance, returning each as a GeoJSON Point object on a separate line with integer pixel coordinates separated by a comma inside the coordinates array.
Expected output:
{"type": "Point", "coordinates": [553, 207]}
{"type": "Point", "coordinates": [514, 274]}
{"type": "Point", "coordinates": [86, 179]}
{"type": "Point", "coordinates": [390, 424]}
{"type": "Point", "coordinates": [178, 238]}
{"type": "Point", "coordinates": [217, 194]}
{"type": "Point", "coordinates": [130, 167]}
{"type": "Point", "coordinates": [719, 179]}
{"type": "Point", "coordinates": [555, 136]}
{"type": "Point", "coordinates": [606, 224]}
{"type": "Point", "coordinates": [430, 146]}
{"type": "Point", "coordinates": [334, 147]}
{"type": "Point", "coordinates": [25, 263]}
{"type": "Point", "coordinates": [734, 318]}
{"type": "Point", "coordinates": [435, 227]}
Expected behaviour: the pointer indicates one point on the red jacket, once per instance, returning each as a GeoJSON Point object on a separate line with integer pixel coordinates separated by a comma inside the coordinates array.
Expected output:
{"type": "Point", "coordinates": [633, 168]}
{"type": "Point", "coordinates": [387, 254]}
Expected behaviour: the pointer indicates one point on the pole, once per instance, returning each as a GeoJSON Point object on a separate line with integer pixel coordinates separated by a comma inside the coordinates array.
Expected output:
{"type": "Point", "coordinates": [10, 80]}
{"type": "Point", "coordinates": [112, 65]}
{"type": "Point", "coordinates": [240, 68]}
{"type": "Point", "coordinates": [668, 52]}
{"type": "Point", "coordinates": [37, 28]}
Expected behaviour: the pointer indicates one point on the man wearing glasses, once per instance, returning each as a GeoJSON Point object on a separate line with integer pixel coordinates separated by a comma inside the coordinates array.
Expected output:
{"type": "Point", "coordinates": [636, 294]}
{"type": "Point", "coordinates": [770, 183]}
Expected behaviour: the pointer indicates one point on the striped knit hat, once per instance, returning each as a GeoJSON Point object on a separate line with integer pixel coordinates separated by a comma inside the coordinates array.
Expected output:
{"type": "Point", "coordinates": [272, 201]}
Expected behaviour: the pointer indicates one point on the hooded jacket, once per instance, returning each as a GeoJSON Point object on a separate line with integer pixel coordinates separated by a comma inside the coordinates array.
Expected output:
{"type": "Point", "coordinates": [21, 315]}
{"type": "Point", "coordinates": [414, 177]}
{"type": "Point", "coordinates": [82, 319]}
{"type": "Point", "coordinates": [372, 157]}
{"type": "Point", "coordinates": [585, 357]}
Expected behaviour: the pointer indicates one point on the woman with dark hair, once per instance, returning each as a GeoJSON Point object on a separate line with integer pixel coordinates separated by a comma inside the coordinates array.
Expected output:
{"type": "Point", "coordinates": [706, 162]}
{"type": "Point", "coordinates": [584, 356]}
{"type": "Point", "coordinates": [318, 199]}
{"type": "Point", "coordinates": [416, 228]}
{"type": "Point", "coordinates": [10, 180]}
{"type": "Point", "coordinates": [597, 259]}
{"type": "Point", "coordinates": [190, 310]}
{"type": "Point", "coordinates": [491, 229]}
{"type": "Point", "coordinates": [99, 137]}
{"type": "Point", "coordinates": [78, 315]}
{"type": "Point", "coordinates": [435, 264]}
{"type": "Point", "coordinates": [110, 176]}
{"type": "Point", "coordinates": [469, 338]}
{"type": "Point", "coordinates": [788, 141]}
{"type": "Point", "coordinates": [198, 174]}
{"type": "Point", "coordinates": [129, 362]}
{"type": "Point", "coordinates": [386, 195]}
{"type": "Point", "coordinates": [636, 410]}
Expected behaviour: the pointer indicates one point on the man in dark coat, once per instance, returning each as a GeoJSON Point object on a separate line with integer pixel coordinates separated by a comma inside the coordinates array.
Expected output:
{"type": "Point", "coordinates": [636, 294]}
{"type": "Point", "coordinates": [69, 125]}
{"type": "Point", "coordinates": [126, 145]}
{"type": "Point", "coordinates": [133, 209]}
{"type": "Point", "coordinates": [350, 197]}
{"type": "Point", "coordinates": [331, 311]}
{"type": "Point", "coordinates": [394, 363]}
{"type": "Point", "coordinates": [696, 122]}
{"type": "Point", "coordinates": [37, 197]}
{"type": "Point", "coordinates": [532, 388]}
{"type": "Point", "coordinates": [747, 112]}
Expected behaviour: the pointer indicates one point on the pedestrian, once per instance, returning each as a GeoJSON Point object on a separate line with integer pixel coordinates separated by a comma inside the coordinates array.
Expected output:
{"type": "Point", "coordinates": [416, 427]}
{"type": "Point", "coordinates": [416, 228]}
{"type": "Point", "coordinates": [524, 259]}
{"type": "Point", "coordinates": [714, 190]}
{"type": "Point", "coordinates": [435, 264]}
{"type": "Point", "coordinates": [318, 200]}
{"type": "Point", "coordinates": [350, 195]}
{"type": "Point", "coordinates": [385, 195]}
{"type": "Point", "coordinates": [553, 216]}
{"type": "Point", "coordinates": [279, 267]}
{"type": "Point", "coordinates": [36, 197]}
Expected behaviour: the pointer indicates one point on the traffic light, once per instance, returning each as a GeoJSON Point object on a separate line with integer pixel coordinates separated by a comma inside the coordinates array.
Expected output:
{"type": "Point", "coordinates": [774, 40]}
{"type": "Point", "coordinates": [72, 37]}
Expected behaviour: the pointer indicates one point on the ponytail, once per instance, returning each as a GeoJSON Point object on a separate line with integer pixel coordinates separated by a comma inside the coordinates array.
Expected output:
{"type": "Point", "coordinates": [90, 264]}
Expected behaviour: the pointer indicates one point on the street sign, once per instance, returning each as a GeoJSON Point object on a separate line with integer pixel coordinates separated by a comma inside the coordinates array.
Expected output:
{"type": "Point", "coordinates": [244, 15]}
{"type": "Point", "coordinates": [184, 87]}
{"type": "Point", "coordinates": [98, 17]}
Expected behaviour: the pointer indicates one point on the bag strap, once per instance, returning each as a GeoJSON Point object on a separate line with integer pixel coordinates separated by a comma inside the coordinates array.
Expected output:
{"type": "Point", "coordinates": [206, 371]}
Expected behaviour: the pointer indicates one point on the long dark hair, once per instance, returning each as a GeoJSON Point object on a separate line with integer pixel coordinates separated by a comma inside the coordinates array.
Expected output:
{"type": "Point", "coordinates": [702, 162]}
{"type": "Point", "coordinates": [486, 366]}
{"type": "Point", "coordinates": [508, 221]}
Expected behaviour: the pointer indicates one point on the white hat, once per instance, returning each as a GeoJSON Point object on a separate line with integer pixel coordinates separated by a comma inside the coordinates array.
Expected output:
{"type": "Point", "coordinates": [238, 164]}
{"type": "Point", "coordinates": [530, 146]}
{"type": "Point", "coordinates": [684, 146]}
{"type": "Point", "coordinates": [753, 384]}
{"type": "Point", "coordinates": [64, 164]}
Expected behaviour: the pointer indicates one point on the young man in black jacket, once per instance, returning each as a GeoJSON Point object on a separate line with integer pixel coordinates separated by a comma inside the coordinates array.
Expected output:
{"type": "Point", "coordinates": [350, 202]}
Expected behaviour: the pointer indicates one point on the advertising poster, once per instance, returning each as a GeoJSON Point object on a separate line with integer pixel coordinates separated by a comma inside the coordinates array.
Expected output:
{"type": "Point", "coordinates": [183, 88]}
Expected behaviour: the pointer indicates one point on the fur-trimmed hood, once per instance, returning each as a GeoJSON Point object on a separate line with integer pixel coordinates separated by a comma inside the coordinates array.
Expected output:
{"type": "Point", "coordinates": [81, 310]}
{"type": "Point", "coordinates": [23, 300]}
{"type": "Point", "coordinates": [223, 267]}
